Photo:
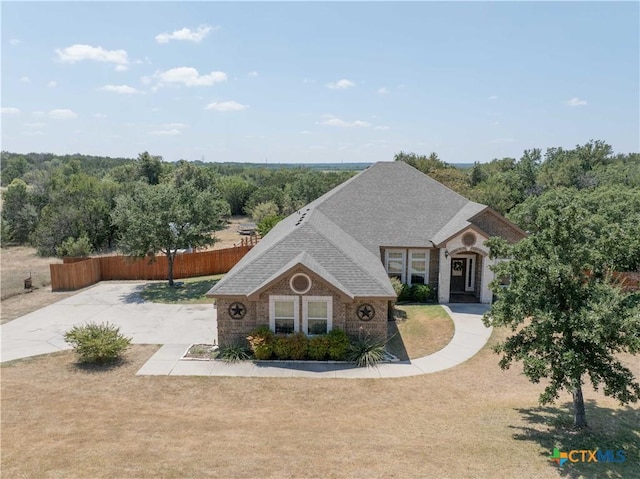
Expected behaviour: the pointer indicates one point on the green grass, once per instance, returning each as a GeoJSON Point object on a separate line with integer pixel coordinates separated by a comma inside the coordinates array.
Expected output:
{"type": "Point", "coordinates": [191, 292]}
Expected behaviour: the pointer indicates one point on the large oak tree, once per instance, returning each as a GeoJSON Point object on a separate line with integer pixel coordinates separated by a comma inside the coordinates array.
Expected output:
{"type": "Point", "coordinates": [164, 219]}
{"type": "Point", "coordinates": [568, 315]}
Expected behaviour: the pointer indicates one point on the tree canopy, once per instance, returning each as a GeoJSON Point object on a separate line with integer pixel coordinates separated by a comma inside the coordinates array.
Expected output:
{"type": "Point", "coordinates": [164, 218]}
{"type": "Point", "coordinates": [568, 316]}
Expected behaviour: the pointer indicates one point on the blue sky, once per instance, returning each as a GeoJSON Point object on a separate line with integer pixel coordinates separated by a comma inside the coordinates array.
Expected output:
{"type": "Point", "coordinates": [319, 82]}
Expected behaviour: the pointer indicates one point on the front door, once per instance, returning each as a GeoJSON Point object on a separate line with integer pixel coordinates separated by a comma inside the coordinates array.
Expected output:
{"type": "Point", "coordinates": [458, 274]}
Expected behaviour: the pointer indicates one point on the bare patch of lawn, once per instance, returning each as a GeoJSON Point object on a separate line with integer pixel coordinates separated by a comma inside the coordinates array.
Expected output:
{"type": "Point", "coordinates": [229, 236]}
{"type": "Point", "coordinates": [474, 420]}
{"type": "Point", "coordinates": [419, 330]}
{"type": "Point", "coordinates": [16, 262]}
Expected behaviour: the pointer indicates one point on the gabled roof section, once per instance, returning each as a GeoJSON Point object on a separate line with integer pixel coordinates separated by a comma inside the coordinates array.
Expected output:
{"type": "Point", "coordinates": [306, 260]}
{"type": "Point", "coordinates": [328, 251]}
{"type": "Point", "coordinates": [459, 222]}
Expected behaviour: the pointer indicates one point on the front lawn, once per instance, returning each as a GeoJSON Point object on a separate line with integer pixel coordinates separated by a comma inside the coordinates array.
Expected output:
{"type": "Point", "coordinates": [419, 330]}
{"type": "Point", "coordinates": [472, 421]}
{"type": "Point", "coordinates": [192, 291]}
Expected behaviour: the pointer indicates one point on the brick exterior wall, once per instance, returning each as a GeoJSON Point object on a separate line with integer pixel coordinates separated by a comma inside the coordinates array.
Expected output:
{"type": "Point", "coordinates": [344, 311]}
{"type": "Point", "coordinates": [494, 226]}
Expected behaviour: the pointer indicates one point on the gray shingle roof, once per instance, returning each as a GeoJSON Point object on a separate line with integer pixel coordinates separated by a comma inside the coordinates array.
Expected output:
{"type": "Point", "coordinates": [392, 204]}
{"type": "Point", "coordinates": [356, 271]}
{"type": "Point", "coordinates": [340, 233]}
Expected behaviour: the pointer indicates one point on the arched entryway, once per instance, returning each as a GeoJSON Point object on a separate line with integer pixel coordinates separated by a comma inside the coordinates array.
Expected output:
{"type": "Point", "coordinates": [466, 276]}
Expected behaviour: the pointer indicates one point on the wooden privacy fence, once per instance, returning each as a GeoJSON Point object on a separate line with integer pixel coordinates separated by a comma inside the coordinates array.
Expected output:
{"type": "Point", "coordinates": [76, 273]}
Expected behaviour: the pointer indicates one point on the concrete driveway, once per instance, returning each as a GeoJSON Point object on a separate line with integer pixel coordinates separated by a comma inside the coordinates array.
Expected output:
{"type": "Point", "coordinates": [42, 331]}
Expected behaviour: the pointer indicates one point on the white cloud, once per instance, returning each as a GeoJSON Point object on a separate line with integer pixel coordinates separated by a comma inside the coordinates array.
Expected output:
{"type": "Point", "coordinates": [34, 125]}
{"type": "Point", "coordinates": [79, 52]}
{"type": "Point", "coordinates": [308, 80]}
{"type": "Point", "coordinates": [186, 34]}
{"type": "Point", "coordinates": [25, 79]}
{"type": "Point", "coordinates": [382, 91]}
{"type": "Point", "coordinates": [10, 111]}
{"type": "Point", "coordinates": [382, 127]}
{"type": "Point", "coordinates": [575, 101]}
{"type": "Point", "coordinates": [341, 84]}
{"type": "Point", "coordinates": [15, 41]}
{"type": "Point", "coordinates": [145, 80]}
{"type": "Point", "coordinates": [121, 68]}
{"type": "Point", "coordinates": [305, 132]}
{"type": "Point", "coordinates": [52, 84]}
{"type": "Point", "coordinates": [62, 114]}
{"type": "Point", "coordinates": [32, 133]}
{"type": "Point", "coordinates": [171, 126]}
{"type": "Point", "coordinates": [493, 97]}
{"type": "Point", "coordinates": [226, 106]}
{"type": "Point", "coordinates": [253, 74]}
{"type": "Point", "coordinates": [99, 115]}
{"type": "Point", "coordinates": [190, 77]}
{"type": "Point", "coordinates": [333, 121]}
{"type": "Point", "coordinates": [171, 132]}
{"type": "Point", "coordinates": [122, 89]}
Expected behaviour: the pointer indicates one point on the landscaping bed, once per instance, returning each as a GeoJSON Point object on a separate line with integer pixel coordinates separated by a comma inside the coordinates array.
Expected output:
{"type": "Point", "coordinates": [201, 352]}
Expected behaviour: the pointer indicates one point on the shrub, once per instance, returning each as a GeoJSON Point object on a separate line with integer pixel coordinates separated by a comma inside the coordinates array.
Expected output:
{"type": "Point", "coordinates": [262, 341]}
{"type": "Point", "coordinates": [397, 285]}
{"type": "Point", "coordinates": [97, 343]}
{"type": "Point", "coordinates": [298, 344]}
{"type": "Point", "coordinates": [264, 210]}
{"type": "Point", "coordinates": [234, 353]}
{"type": "Point", "coordinates": [366, 352]}
{"type": "Point", "coordinates": [282, 347]}
{"type": "Point", "coordinates": [267, 224]}
{"type": "Point", "coordinates": [75, 247]}
{"type": "Point", "coordinates": [405, 293]}
{"type": "Point", "coordinates": [421, 293]}
{"type": "Point", "coordinates": [318, 347]}
{"type": "Point", "coordinates": [338, 344]}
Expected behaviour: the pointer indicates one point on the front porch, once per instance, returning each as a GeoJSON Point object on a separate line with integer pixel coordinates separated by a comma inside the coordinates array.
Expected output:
{"type": "Point", "coordinates": [463, 298]}
{"type": "Point", "coordinates": [464, 270]}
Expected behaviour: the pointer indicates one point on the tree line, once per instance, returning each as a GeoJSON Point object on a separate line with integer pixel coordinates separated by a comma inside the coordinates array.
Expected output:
{"type": "Point", "coordinates": [65, 205]}
{"type": "Point", "coordinates": [61, 203]}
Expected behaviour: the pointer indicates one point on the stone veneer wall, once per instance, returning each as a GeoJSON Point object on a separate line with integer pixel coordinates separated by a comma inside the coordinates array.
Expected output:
{"type": "Point", "coordinates": [344, 313]}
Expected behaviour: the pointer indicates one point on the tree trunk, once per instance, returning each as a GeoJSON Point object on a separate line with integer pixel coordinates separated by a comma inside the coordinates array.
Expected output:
{"type": "Point", "coordinates": [170, 258]}
{"type": "Point", "coordinates": [580, 416]}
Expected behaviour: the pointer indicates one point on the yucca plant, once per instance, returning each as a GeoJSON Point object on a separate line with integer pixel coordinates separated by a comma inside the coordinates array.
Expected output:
{"type": "Point", "coordinates": [366, 352]}
{"type": "Point", "coordinates": [234, 353]}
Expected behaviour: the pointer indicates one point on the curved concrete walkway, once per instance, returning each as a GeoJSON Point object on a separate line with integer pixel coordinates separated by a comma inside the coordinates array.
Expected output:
{"type": "Point", "coordinates": [469, 337]}
{"type": "Point", "coordinates": [176, 327]}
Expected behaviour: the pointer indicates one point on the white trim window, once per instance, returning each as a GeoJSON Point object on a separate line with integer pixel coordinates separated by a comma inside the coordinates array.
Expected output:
{"type": "Point", "coordinates": [419, 266]}
{"type": "Point", "coordinates": [395, 263]}
{"type": "Point", "coordinates": [284, 314]}
{"type": "Point", "coordinates": [317, 314]}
